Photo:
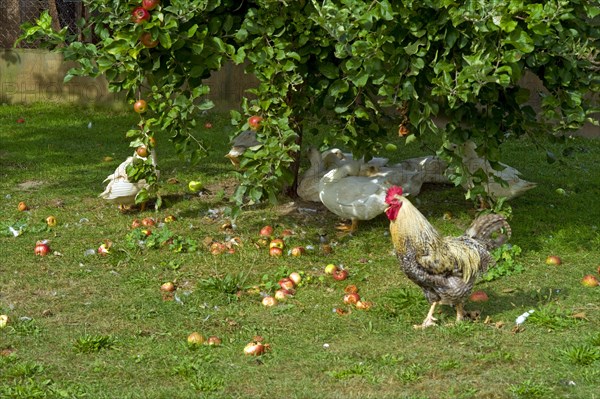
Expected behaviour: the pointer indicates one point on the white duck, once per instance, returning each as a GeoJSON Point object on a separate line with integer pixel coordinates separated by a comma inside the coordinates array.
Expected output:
{"type": "Point", "coordinates": [119, 189]}
{"type": "Point", "coordinates": [514, 187]}
{"type": "Point", "coordinates": [350, 196]}
{"type": "Point", "coordinates": [308, 186]}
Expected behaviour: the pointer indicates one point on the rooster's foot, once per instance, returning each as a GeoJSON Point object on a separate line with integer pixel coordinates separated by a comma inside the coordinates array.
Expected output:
{"type": "Point", "coordinates": [428, 322]}
{"type": "Point", "coordinates": [347, 229]}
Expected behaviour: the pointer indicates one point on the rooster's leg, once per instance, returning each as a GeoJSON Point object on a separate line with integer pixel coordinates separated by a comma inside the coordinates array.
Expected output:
{"type": "Point", "coordinates": [460, 312]}
{"type": "Point", "coordinates": [429, 320]}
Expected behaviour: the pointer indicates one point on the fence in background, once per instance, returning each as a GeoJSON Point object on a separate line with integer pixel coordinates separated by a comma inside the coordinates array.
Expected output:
{"type": "Point", "coordinates": [14, 13]}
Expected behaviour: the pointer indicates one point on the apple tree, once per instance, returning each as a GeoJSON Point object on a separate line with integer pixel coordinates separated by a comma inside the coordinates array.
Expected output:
{"type": "Point", "coordinates": [159, 53]}
{"type": "Point", "coordinates": [358, 69]}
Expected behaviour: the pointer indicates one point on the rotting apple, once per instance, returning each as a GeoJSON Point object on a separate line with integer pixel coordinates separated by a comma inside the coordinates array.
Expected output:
{"type": "Point", "coordinates": [213, 340]}
{"type": "Point", "coordinates": [283, 294]}
{"type": "Point", "coordinates": [22, 206]}
{"type": "Point", "coordinates": [478, 296]}
{"type": "Point", "coordinates": [20, 120]}
{"type": "Point", "coordinates": [351, 289]}
{"type": "Point", "coordinates": [276, 243]}
{"type": "Point", "coordinates": [276, 251]}
{"type": "Point", "coordinates": [363, 305]}
{"type": "Point", "coordinates": [340, 275]}
{"type": "Point", "coordinates": [169, 286]}
{"type": "Point", "coordinates": [140, 106]}
{"type": "Point", "coordinates": [269, 301]}
{"type": "Point", "coordinates": [403, 130]}
{"type": "Point", "coordinates": [266, 231]}
{"type": "Point", "coordinates": [195, 339]}
{"type": "Point", "coordinates": [51, 221]}
{"type": "Point", "coordinates": [254, 122]}
{"type": "Point", "coordinates": [351, 299]}
{"type": "Point", "coordinates": [287, 233]}
{"type": "Point", "coordinates": [297, 251]}
{"type": "Point", "coordinates": [590, 281]}
{"type": "Point", "coordinates": [208, 125]}
{"type": "Point", "coordinates": [150, 4]}
{"type": "Point", "coordinates": [286, 283]}
{"type": "Point", "coordinates": [103, 250]}
{"type": "Point", "coordinates": [295, 277]}
{"type": "Point", "coordinates": [136, 223]}
{"type": "Point", "coordinates": [42, 248]}
{"type": "Point", "coordinates": [148, 222]}
{"type": "Point", "coordinates": [254, 348]}
{"type": "Point", "coordinates": [140, 15]}
{"type": "Point", "coordinates": [553, 260]}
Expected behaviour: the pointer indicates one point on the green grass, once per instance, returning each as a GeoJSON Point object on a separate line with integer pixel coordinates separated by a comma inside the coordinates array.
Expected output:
{"type": "Point", "coordinates": [88, 326]}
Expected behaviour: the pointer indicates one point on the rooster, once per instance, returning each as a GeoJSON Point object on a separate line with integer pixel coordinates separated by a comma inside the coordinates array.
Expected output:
{"type": "Point", "coordinates": [444, 267]}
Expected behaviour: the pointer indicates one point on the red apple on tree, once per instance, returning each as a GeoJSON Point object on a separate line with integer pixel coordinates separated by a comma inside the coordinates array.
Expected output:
{"type": "Point", "coordinates": [148, 42]}
{"type": "Point", "coordinates": [150, 4]}
{"type": "Point", "coordinates": [254, 122]}
{"type": "Point", "coordinates": [140, 106]}
{"type": "Point", "coordinates": [142, 151]}
{"type": "Point", "coordinates": [140, 15]}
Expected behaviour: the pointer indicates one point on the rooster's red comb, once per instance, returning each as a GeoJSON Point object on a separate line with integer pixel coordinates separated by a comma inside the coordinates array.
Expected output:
{"type": "Point", "coordinates": [392, 192]}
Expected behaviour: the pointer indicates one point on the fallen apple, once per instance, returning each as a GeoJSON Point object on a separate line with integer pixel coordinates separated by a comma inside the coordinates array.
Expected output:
{"type": "Point", "coordinates": [103, 250]}
{"type": "Point", "coordinates": [3, 320]}
{"type": "Point", "coordinates": [351, 299]}
{"type": "Point", "coordinates": [195, 186]}
{"type": "Point", "coordinates": [195, 339]}
{"type": "Point", "coordinates": [275, 251]}
{"type": "Point", "coordinates": [170, 219]}
{"type": "Point", "coordinates": [169, 286]}
{"type": "Point", "coordinates": [590, 281]}
{"type": "Point", "coordinates": [266, 231]}
{"type": "Point", "coordinates": [276, 243]}
{"type": "Point", "coordinates": [148, 222]}
{"type": "Point", "coordinates": [22, 206]}
{"type": "Point", "coordinates": [20, 120]}
{"type": "Point", "coordinates": [286, 283]}
{"type": "Point", "coordinates": [478, 296]}
{"type": "Point", "coordinates": [330, 268]}
{"type": "Point", "coordinates": [136, 223]}
{"type": "Point", "coordinates": [51, 221]}
{"type": "Point", "coordinates": [403, 130]}
{"type": "Point", "coordinates": [297, 251]}
{"type": "Point", "coordinates": [295, 277]}
{"type": "Point", "coordinates": [287, 233]}
{"type": "Point", "coordinates": [598, 269]}
{"type": "Point", "coordinates": [553, 260]}
{"type": "Point", "coordinates": [208, 125]}
{"type": "Point", "coordinates": [282, 294]}
{"type": "Point", "coordinates": [213, 340]}
{"type": "Point", "coordinates": [269, 301]}
{"type": "Point", "coordinates": [390, 147]}
{"type": "Point", "coordinates": [351, 289]}
{"type": "Point", "coordinates": [254, 349]}
{"type": "Point", "coordinates": [340, 275]}
{"type": "Point", "coordinates": [363, 305]}
{"type": "Point", "coordinates": [42, 248]}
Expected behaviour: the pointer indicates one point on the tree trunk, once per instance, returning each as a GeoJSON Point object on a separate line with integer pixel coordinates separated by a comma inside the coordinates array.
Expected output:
{"type": "Point", "coordinates": [53, 11]}
{"type": "Point", "coordinates": [10, 19]}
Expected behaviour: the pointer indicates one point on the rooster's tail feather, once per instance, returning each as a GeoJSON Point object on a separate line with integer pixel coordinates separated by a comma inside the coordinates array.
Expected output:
{"type": "Point", "coordinates": [491, 230]}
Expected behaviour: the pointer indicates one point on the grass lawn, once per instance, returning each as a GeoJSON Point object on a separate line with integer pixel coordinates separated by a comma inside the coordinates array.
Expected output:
{"type": "Point", "coordinates": [90, 326]}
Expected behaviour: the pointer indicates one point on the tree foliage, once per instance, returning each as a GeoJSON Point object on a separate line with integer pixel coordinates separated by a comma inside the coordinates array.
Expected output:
{"type": "Point", "coordinates": [355, 69]}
